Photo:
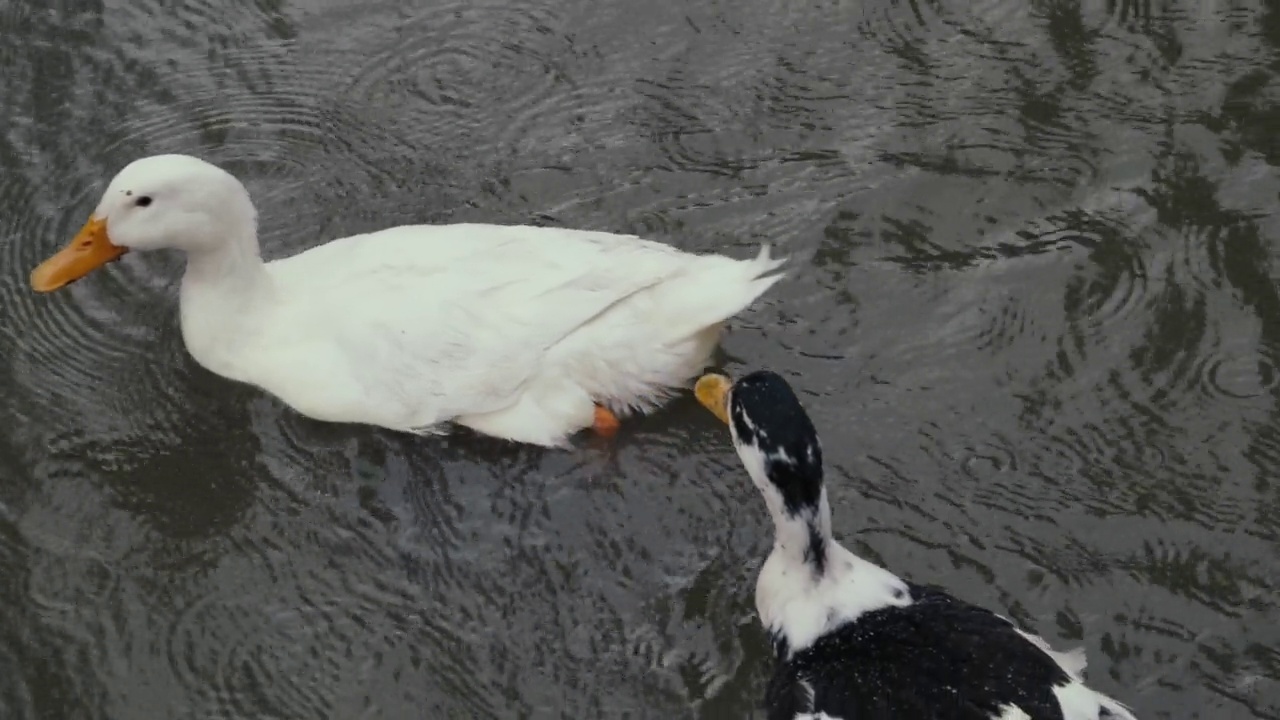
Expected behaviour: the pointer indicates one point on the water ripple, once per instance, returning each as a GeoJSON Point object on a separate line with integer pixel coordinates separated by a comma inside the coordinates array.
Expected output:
{"type": "Point", "coordinates": [1120, 289]}
{"type": "Point", "coordinates": [460, 60]}
{"type": "Point", "coordinates": [1237, 375]}
{"type": "Point", "coordinates": [253, 667]}
{"type": "Point", "coordinates": [1032, 320]}
{"type": "Point", "coordinates": [83, 355]}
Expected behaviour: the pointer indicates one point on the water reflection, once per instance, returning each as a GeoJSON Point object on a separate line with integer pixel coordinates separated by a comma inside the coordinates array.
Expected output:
{"type": "Point", "coordinates": [1033, 311]}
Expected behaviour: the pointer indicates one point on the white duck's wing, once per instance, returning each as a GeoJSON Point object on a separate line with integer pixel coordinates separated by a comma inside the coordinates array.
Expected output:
{"type": "Point", "coordinates": [443, 323]}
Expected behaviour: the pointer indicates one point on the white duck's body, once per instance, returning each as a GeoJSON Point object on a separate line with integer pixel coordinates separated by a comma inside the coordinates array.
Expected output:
{"type": "Point", "coordinates": [515, 331]}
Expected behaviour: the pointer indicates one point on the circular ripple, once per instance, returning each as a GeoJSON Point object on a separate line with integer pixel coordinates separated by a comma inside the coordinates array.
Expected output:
{"type": "Point", "coordinates": [1058, 458]}
{"type": "Point", "coordinates": [258, 658]}
{"type": "Point", "coordinates": [1118, 286]}
{"type": "Point", "coordinates": [1240, 376]}
{"type": "Point", "coordinates": [738, 97]}
{"type": "Point", "coordinates": [264, 103]}
{"type": "Point", "coordinates": [899, 30]}
{"type": "Point", "coordinates": [27, 222]}
{"type": "Point", "coordinates": [997, 483]}
{"type": "Point", "coordinates": [1008, 323]}
{"type": "Point", "coordinates": [1198, 260]}
{"type": "Point", "coordinates": [987, 461]}
{"type": "Point", "coordinates": [464, 65]}
{"type": "Point", "coordinates": [96, 370]}
{"type": "Point", "coordinates": [64, 582]}
{"type": "Point", "coordinates": [261, 659]}
{"type": "Point", "coordinates": [269, 111]}
{"type": "Point", "coordinates": [1102, 467]}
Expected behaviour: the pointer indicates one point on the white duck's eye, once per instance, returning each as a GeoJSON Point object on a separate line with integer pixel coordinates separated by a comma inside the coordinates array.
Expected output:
{"type": "Point", "coordinates": [143, 201]}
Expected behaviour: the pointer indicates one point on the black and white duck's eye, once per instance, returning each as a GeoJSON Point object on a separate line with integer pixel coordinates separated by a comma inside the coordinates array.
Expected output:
{"type": "Point", "coordinates": [143, 201]}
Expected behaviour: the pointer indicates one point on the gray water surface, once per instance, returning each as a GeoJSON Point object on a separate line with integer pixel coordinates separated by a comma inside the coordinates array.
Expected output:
{"type": "Point", "coordinates": [1033, 309]}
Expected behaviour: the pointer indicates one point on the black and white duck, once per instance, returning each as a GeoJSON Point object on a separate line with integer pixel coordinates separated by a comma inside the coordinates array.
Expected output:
{"type": "Point", "coordinates": [852, 639]}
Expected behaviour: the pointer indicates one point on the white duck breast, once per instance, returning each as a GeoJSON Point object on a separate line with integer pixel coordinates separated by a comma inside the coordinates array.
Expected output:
{"type": "Point", "coordinates": [852, 640]}
{"type": "Point", "coordinates": [525, 333]}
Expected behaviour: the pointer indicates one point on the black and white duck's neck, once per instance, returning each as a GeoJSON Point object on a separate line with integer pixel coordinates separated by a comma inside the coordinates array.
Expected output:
{"type": "Point", "coordinates": [810, 584]}
{"type": "Point", "coordinates": [783, 456]}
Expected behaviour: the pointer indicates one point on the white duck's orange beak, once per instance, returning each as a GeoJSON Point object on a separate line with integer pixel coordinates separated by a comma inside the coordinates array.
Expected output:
{"type": "Point", "coordinates": [89, 250]}
{"type": "Point", "coordinates": [712, 390]}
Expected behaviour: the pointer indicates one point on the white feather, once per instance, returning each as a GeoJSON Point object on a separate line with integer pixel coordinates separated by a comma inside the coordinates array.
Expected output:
{"type": "Point", "coordinates": [1079, 702]}
{"type": "Point", "coordinates": [1011, 712]}
{"type": "Point", "coordinates": [800, 604]}
{"type": "Point", "coordinates": [1072, 662]}
{"type": "Point", "coordinates": [793, 601]}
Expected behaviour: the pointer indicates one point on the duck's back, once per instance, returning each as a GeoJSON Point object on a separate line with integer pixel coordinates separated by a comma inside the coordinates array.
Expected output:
{"type": "Point", "coordinates": [420, 324]}
{"type": "Point", "coordinates": [935, 659]}
{"type": "Point", "coordinates": [435, 248]}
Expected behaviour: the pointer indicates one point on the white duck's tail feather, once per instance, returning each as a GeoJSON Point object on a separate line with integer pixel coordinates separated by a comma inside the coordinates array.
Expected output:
{"type": "Point", "coordinates": [715, 289]}
{"type": "Point", "coordinates": [649, 345]}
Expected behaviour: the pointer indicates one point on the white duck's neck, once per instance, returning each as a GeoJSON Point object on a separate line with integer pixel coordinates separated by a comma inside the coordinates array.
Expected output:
{"type": "Point", "coordinates": [237, 261]}
{"type": "Point", "coordinates": [223, 293]}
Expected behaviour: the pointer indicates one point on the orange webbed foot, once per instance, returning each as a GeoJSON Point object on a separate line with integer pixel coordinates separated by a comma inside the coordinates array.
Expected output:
{"type": "Point", "coordinates": [605, 423]}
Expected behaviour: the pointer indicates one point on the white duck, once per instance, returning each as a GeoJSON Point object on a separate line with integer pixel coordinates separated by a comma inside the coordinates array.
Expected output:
{"type": "Point", "coordinates": [524, 333]}
{"type": "Point", "coordinates": [852, 639]}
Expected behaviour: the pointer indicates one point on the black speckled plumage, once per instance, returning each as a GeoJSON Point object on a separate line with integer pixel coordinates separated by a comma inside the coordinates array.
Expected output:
{"type": "Point", "coordinates": [794, 461]}
{"type": "Point", "coordinates": [815, 553]}
{"type": "Point", "coordinates": [933, 657]}
{"type": "Point", "coordinates": [936, 659]}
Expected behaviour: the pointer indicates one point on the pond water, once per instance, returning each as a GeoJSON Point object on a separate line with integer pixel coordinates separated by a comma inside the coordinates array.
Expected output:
{"type": "Point", "coordinates": [1032, 307]}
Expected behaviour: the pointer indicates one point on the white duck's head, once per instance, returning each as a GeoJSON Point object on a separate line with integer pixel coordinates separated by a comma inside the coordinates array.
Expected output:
{"type": "Point", "coordinates": [163, 201]}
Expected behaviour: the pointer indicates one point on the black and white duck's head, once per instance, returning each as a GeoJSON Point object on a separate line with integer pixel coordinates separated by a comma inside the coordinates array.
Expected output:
{"type": "Point", "coordinates": [774, 438]}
